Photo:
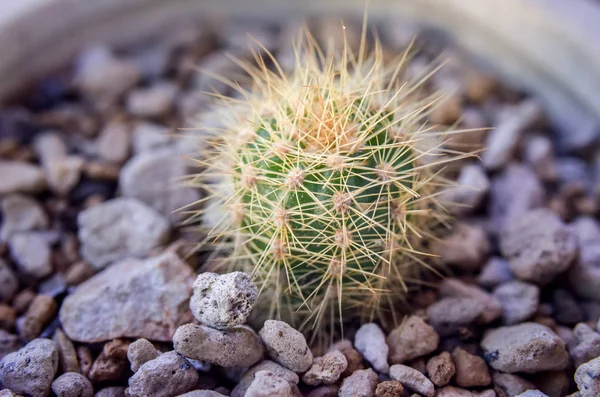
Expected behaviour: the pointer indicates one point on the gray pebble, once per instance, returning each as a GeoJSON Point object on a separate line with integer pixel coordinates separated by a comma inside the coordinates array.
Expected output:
{"type": "Point", "coordinates": [471, 187]}
{"type": "Point", "coordinates": [9, 284]}
{"type": "Point", "coordinates": [20, 177]}
{"type": "Point", "coordinates": [566, 308]}
{"type": "Point", "coordinates": [111, 391]}
{"type": "Point", "coordinates": [448, 314]}
{"type": "Point", "coordinates": [587, 377]}
{"type": "Point", "coordinates": [267, 384]}
{"type": "Point", "coordinates": [32, 254]}
{"type": "Point", "coordinates": [532, 393]}
{"type": "Point", "coordinates": [495, 271]}
{"type": "Point", "coordinates": [326, 369]}
{"type": "Point", "coordinates": [31, 369]}
{"type": "Point", "coordinates": [370, 342]}
{"type": "Point", "coordinates": [520, 301]}
{"type": "Point", "coordinates": [240, 389]}
{"type": "Point", "coordinates": [223, 301]}
{"type": "Point", "coordinates": [21, 214]}
{"type": "Point", "coordinates": [361, 383]}
{"type": "Point", "coordinates": [8, 343]}
{"type": "Point", "coordinates": [455, 288]}
{"type": "Point", "coordinates": [412, 379]}
{"type": "Point", "coordinates": [511, 384]}
{"type": "Point", "coordinates": [113, 142]}
{"type": "Point", "coordinates": [286, 346]}
{"type": "Point", "coordinates": [153, 101]}
{"type": "Point", "coordinates": [527, 347]}
{"type": "Point", "coordinates": [411, 339]}
{"type": "Point", "coordinates": [466, 248]}
{"type": "Point", "coordinates": [202, 393]}
{"type": "Point", "coordinates": [586, 345]}
{"type": "Point", "coordinates": [236, 347]}
{"type": "Point", "coordinates": [140, 352]}
{"type": "Point", "coordinates": [72, 384]}
{"type": "Point", "coordinates": [167, 375]}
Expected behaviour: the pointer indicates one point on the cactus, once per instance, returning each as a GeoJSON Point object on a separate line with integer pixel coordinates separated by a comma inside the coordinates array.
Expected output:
{"type": "Point", "coordinates": [322, 183]}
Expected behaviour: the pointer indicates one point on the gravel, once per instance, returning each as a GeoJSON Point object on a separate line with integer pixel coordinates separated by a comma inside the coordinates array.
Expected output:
{"type": "Point", "coordinates": [370, 343]}
{"type": "Point", "coordinates": [412, 379]}
{"type": "Point", "coordinates": [21, 213]}
{"type": "Point", "coordinates": [72, 384]}
{"type": "Point", "coordinates": [167, 375]}
{"type": "Point", "coordinates": [286, 346]}
{"type": "Point", "coordinates": [587, 377]}
{"type": "Point", "coordinates": [240, 389]}
{"type": "Point", "coordinates": [471, 370]}
{"type": "Point", "coordinates": [411, 339]}
{"type": "Point", "coordinates": [361, 383]}
{"type": "Point", "coordinates": [268, 384]}
{"type": "Point", "coordinates": [519, 300]}
{"type": "Point", "coordinates": [20, 177]}
{"type": "Point", "coordinates": [326, 369]}
{"type": "Point", "coordinates": [140, 352]}
{"type": "Point", "coordinates": [440, 369]}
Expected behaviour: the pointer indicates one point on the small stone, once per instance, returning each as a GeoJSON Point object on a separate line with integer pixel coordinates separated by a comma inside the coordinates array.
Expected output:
{"type": "Point", "coordinates": [236, 347]}
{"type": "Point", "coordinates": [31, 369]}
{"type": "Point", "coordinates": [148, 137]}
{"type": "Point", "coordinates": [412, 379]}
{"type": "Point", "coordinates": [532, 393]}
{"type": "Point", "coordinates": [441, 369]}
{"type": "Point", "coordinates": [586, 345]}
{"type": "Point", "coordinates": [72, 384]}
{"type": "Point", "coordinates": [49, 145]}
{"type": "Point", "coordinates": [63, 173]}
{"type": "Point", "coordinates": [471, 187]}
{"type": "Point", "coordinates": [223, 301]}
{"type": "Point", "coordinates": [112, 391]}
{"type": "Point", "coordinates": [390, 388]}
{"type": "Point", "coordinates": [116, 348]}
{"type": "Point", "coordinates": [42, 310]}
{"type": "Point", "coordinates": [120, 228]}
{"type": "Point", "coordinates": [455, 288]}
{"type": "Point", "coordinates": [8, 317]}
{"type": "Point", "coordinates": [471, 370]}
{"type": "Point", "coordinates": [448, 314]}
{"type": "Point", "coordinates": [130, 299]}
{"type": "Point", "coordinates": [527, 347]}
{"type": "Point", "coordinates": [202, 393]}
{"type": "Point", "coordinates": [566, 308]}
{"type": "Point", "coordinates": [32, 254]}
{"type": "Point", "coordinates": [84, 356]}
{"type": "Point", "coordinates": [267, 384]}
{"type": "Point", "coordinates": [538, 246]}
{"type": "Point", "coordinates": [520, 301]}
{"type": "Point", "coordinates": [286, 346]}
{"type": "Point", "coordinates": [20, 177]}
{"type": "Point", "coordinates": [324, 391]}
{"type": "Point", "coordinates": [167, 375]}
{"type": "Point", "coordinates": [240, 389]}
{"type": "Point", "coordinates": [21, 214]}
{"type": "Point", "coordinates": [361, 383]}
{"type": "Point", "coordinates": [23, 299]}
{"type": "Point", "coordinates": [66, 352]}
{"type": "Point", "coordinates": [466, 248]}
{"type": "Point", "coordinates": [113, 143]}
{"type": "Point", "coordinates": [584, 274]}
{"type": "Point", "coordinates": [540, 154]}
{"type": "Point", "coordinates": [411, 339]}
{"type": "Point", "coordinates": [496, 271]}
{"type": "Point", "coordinates": [9, 284]}
{"type": "Point", "coordinates": [54, 285]}
{"type": "Point", "coordinates": [140, 352]}
{"type": "Point", "coordinates": [587, 377]}
{"type": "Point", "coordinates": [8, 343]}
{"type": "Point", "coordinates": [106, 368]}
{"type": "Point", "coordinates": [78, 273]}
{"type": "Point", "coordinates": [153, 101]}
{"type": "Point", "coordinates": [326, 369]}
{"type": "Point", "coordinates": [370, 342]}
{"type": "Point", "coordinates": [553, 383]}
{"type": "Point", "coordinates": [511, 385]}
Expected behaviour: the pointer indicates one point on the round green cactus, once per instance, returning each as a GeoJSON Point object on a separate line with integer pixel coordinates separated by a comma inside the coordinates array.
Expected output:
{"type": "Point", "coordinates": [323, 184]}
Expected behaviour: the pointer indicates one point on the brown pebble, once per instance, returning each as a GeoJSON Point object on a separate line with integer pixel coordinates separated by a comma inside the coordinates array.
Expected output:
{"type": "Point", "coordinates": [78, 273]}
{"type": "Point", "coordinates": [355, 361]}
{"type": "Point", "coordinates": [84, 356]}
{"type": "Point", "coordinates": [106, 368]}
{"type": "Point", "coordinates": [66, 352]}
{"type": "Point", "coordinates": [471, 370]}
{"type": "Point", "coordinates": [42, 310]}
{"type": "Point", "coordinates": [441, 369]}
{"type": "Point", "coordinates": [8, 317]}
{"type": "Point", "coordinates": [390, 388]}
{"type": "Point", "coordinates": [23, 300]}
{"type": "Point", "coordinates": [116, 348]}
{"type": "Point", "coordinates": [70, 247]}
{"type": "Point", "coordinates": [324, 391]}
{"type": "Point", "coordinates": [102, 170]}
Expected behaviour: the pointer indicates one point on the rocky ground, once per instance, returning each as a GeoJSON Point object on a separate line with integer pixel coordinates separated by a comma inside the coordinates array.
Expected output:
{"type": "Point", "coordinates": [95, 280]}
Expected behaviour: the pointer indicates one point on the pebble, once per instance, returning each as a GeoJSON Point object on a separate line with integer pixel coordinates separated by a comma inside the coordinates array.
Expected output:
{"type": "Point", "coordinates": [538, 246]}
{"type": "Point", "coordinates": [361, 383]}
{"type": "Point", "coordinates": [223, 301]}
{"type": "Point", "coordinates": [117, 348]}
{"type": "Point", "coordinates": [84, 356]}
{"type": "Point", "coordinates": [553, 383]}
{"type": "Point", "coordinates": [236, 347]}
{"type": "Point", "coordinates": [78, 273]}
{"type": "Point", "coordinates": [448, 314]}
{"type": "Point", "coordinates": [111, 391]}
{"type": "Point", "coordinates": [41, 311]}
{"type": "Point", "coordinates": [324, 391]}
{"type": "Point", "coordinates": [113, 142]}
{"type": "Point", "coordinates": [118, 229]}
{"type": "Point", "coordinates": [286, 346]}
{"type": "Point", "coordinates": [527, 347]}
{"type": "Point", "coordinates": [370, 343]}
{"type": "Point", "coordinates": [21, 213]}
{"type": "Point", "coordinates": [455, 288]}
{"type": "Point", "coordinates": [154, 178]}
{"type": "Point", "coordinates": [566, 308]}
{"type": "Point", "coordinates": [31, 369]}
{"type": "Point", "coordinates": [66, 352]}
{"type": "Point", "coordinates": [8, 343]}
{"type": "Point", "coordinates": [9, 284]}
{"type": "Point", "coordinates": [471, 188]}
{"type": "Point", "coordinates": [266, 365]}
{"type": "Point", "coordinates": [154, 101]}
{"type": "Point", "coordinates": [587, 377]}
{"type": "Point", "coordinates": [20, 177]}
{"type": "Point", "coordinates": [130, 299]}
{"type": "Point", "coordinates": [514, 192]}
{"type": "Point", "coordinates": [353, 357]}
{"type": "Point", "coordinates": [586, 345]}
{"type": "Point", "coordinates": [326, 369]}
{"type": "Point", "coordinates": [584, 274]}
{"type": "Point", "coordinates": [441, 369]}
{"type": "Point", "coordinates": [532, 393]}
{"type": "Point", "coordinates": [268, 384]}
{"type": "Point", "coordinates": [106, 368]}
{"type": "Point", "coordinates": [140, 352]}
{"type": "Point", "coordinates": [510, 384]}
{"type": "Point", "coordinates": [519, 300]}
{"type": "Point", "coordinates": [389, 388]}
{"type": "Point", "coordinates": [539, 154]}
{"type": "Point", "coordinates": [496, 271]}
{"type": "Point", "coordinates": [167, 375]}
{"type": "Point", "coordinates": [202, 393]}
{"type": "Point", "coordinates": [72, 384]}
{"type": "Point", "coordinates": [471, 370]}
{"type": "Point", "coordinates": [150, 137]}
{"type": "Point", "coordinates": [32, 254]}
{"type": "Point", "coordinates": [8, 317]}
{"type": "Point", "coordinates": [466, 248]}
{"type": "Point", "coordinates": [62, 174]}
{"type": "Point", "coordinates": [412, 379]}
{"type": "Point", "coordinates": [411, 339]}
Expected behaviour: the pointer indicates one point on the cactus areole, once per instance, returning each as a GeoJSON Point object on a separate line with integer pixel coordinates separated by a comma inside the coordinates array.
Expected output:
{"type": "Point", "coordinates": [321, 183]}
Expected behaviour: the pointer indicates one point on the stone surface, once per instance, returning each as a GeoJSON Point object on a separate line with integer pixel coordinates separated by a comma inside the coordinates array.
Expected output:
{"type": "Point", "coordinates": [72, 384]}
{"type": "Point", "coordinates": [133, 299]}
{"type": "Point", "coordinates": [223, 301]}
{"type": "Point", "coordinates": [471, 370]}
{"type": "Point", "coordinates": [326, 369]}
{"type": "Point", "coordinates": [66, 352]}
{"type": "Point", "coordinates": [519, 300]}
{"type": "Point", "coordinates": [268, 384]}
{"type": "Point", "coordinates": [466, 248]}
{"type": "Point", "coordinates": [20, 177]}
{"type": "Point", "coordinates": [527, 347]}
{"type": "Point", "coordinates": [153, 101]}
{"type": "Point", "coordinates": [448, 314]}
{"type": "Point", "coordinates": [412, 379]}
{"type": "Point", "coordinates": [236, 347]}
{"type": "Point", "coordinates": [32, 254]}
{"type": "Point", "coordinates": [584, 274]}
{"type": "Point", "coordinates": [118, 229]}
{"type": "Point", "coordinates": [441, 369]}
{"type": "Point", "coordinates": [496, 271]}
{"type": "Point", "coordinates": [587, 377]}
{"type": "Point", "coordinates": [111, 391]}
{"type": "Point", "coordinates": [411, 339]}
{"type": "Point", "coordinates": [532, 393]}
{"type": "Point", "coordinates": [140, 352]}
{"type": "Point", "coordinates": [21, 213]}
{"type": "Point", "coordinates": [471, 187]}
{"type": "Point", "coordinates": [113, 143]}
{"type": "Point", "coordinates": [389, 388]}
{"type": "Point", "coordinates": [455, 288]}
{"type": "Point", "coordinates": [361, 383]}
{"type": "Point", "coordinates": [167, 375]}
{"type": "Point", "coordinates": [9, 284]}
{"type": "Point", "coordinates": [31, 369]}
{"type": "Point", "coordinates": [510, 384]}
{"type": "Point", "coordinates": [40, 312]}
{"type": "Point", "coordinates": [286, 346]}
{"type": "Point", "coordinates": [538, 246]}
{"type": "Point", "coordinates": [240, 389]}
{"type": "Point", "coordinates": [566, 308]}
{"type": "Point", "coordinates": [370, 343]}
{"type": "Point", "coordinates": [107, 368]}
{"type": "Point", "coordinates": [586, 345]}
